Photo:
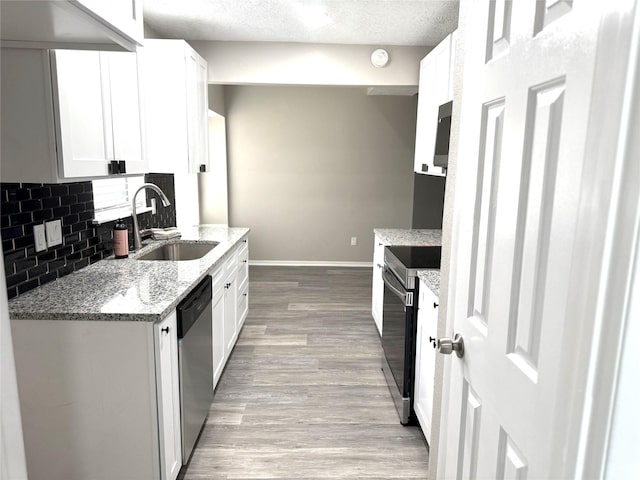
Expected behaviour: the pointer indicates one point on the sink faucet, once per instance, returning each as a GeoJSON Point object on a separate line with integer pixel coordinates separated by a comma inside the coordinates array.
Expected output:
{"type": "Point", "coordinates": [137, 241]}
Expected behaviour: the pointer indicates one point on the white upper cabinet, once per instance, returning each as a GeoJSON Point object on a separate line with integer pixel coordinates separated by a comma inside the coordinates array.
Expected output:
{"type": "Point", "coordinates": [75, 24]}
{"type": "Point", "coordinates": [174, 88]}
{"type": "Point", "coordinates": [69, 114]}
{"type": "Point", "coordinates": [435, 88]}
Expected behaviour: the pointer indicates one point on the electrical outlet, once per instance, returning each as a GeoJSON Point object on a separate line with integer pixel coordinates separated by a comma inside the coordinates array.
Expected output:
{"type": "Point", "coordinates": [39, 237]}
{"type": "Point", "coordinates": [354, 241]}
{"type": "Point", "coordinates": [54, 233]}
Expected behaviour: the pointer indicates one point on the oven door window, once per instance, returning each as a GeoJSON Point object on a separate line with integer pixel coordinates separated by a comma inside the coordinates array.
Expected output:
{"type": "Point", "coordinates": [394, 329]}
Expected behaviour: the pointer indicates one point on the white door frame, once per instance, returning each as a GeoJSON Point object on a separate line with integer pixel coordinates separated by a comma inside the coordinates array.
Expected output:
{"type": "Point", "coordinates": [608, 270]}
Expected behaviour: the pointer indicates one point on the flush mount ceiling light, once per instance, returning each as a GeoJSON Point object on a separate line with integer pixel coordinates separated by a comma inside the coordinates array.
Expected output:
{"type": "Point", "coordinates": [380, 58]}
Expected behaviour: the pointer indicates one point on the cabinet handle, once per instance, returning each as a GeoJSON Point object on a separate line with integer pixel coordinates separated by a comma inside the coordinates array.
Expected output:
{"type": "Point", "coordinates": [380, 244]}
{"type": "Point", "coordinates": [227, 285]}
{"type": "Point", "coordinates": [244, 294]}
{"type": "Point", "coordinates": [116, 167]}
{"type": "Point", "coordinates": [244, 241]}
{"type": "Point", "coordinates": [435, 305]}
{"type": "Point", "coordinates": [432, 340]}
{"type": "Point", "coordinates": [165, 330]}
{"type": "Point", "coordinates": [380, 266]}
{"type": "Point", "coordinates": [244, 261]}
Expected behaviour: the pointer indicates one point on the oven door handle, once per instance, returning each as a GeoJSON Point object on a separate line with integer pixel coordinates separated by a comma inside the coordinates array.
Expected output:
{"type": "Point", "coordinates": [395, 286]}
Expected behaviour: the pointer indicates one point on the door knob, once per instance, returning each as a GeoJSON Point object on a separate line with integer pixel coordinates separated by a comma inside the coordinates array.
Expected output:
{"type": "Point", "coordinates": [446, 345]}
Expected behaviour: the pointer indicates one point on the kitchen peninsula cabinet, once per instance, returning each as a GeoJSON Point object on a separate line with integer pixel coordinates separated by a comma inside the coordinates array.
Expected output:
{"type": "Point", "coordinates": [435, 88]}
{"type": "Point", "coordinates": [70, 115]}
{"type": "Point", "coordinates": [174, 79]}
{"type": "Point", "coordinates": [99, 399]}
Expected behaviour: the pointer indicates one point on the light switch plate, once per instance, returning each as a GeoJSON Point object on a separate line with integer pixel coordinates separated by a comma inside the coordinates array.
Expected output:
{"type": "Point", "coordinates": [39, 238]}
{"type": "Point", "coordinates": [54, 233]}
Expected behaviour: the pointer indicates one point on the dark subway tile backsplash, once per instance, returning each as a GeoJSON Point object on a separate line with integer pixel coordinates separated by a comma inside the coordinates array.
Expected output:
{"type": "Point", "coordinates": [24, 205]}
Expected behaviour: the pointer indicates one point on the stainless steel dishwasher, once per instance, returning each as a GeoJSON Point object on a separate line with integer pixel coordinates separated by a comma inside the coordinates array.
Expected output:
{"type": "Point", "coordinates": [195, 363]}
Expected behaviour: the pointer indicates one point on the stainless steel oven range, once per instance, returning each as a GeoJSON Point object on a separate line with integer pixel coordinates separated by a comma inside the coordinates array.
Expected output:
{"type": "Point", "coordinates": [399, 320]}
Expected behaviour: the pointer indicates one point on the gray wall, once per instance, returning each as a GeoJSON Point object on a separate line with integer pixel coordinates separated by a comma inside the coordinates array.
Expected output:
{"type": "Point", "coordinates": [216, 99]}
{"type": "Point", "coordinates": [311, 167]}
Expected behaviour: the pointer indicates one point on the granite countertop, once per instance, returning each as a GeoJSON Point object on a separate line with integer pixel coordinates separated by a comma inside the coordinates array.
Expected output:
{"type": "Point", "coordinates": [127, 289]}
{"type": "Point", "coordinates": [431, 277]}
{"type": "Point", "coordinates": [413, 238]}
{"type": "Point", "coordinates": [409, 237]}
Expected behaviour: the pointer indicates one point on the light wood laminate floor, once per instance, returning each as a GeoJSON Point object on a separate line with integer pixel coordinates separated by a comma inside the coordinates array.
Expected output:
{"type": "Point", "coordinates": [303, 396]}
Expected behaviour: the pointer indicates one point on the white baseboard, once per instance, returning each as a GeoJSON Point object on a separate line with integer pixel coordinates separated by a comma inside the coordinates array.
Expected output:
{"type": "Point", "coordinates": [306, 263]}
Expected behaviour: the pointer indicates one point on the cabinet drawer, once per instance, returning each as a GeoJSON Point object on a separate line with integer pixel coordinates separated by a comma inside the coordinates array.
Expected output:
{"type": "Point", "coordinates": [231, 264]}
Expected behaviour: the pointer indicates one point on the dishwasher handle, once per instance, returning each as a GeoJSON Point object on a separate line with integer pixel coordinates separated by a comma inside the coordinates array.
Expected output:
{"type": "Point", "coordinates": [191, 307]}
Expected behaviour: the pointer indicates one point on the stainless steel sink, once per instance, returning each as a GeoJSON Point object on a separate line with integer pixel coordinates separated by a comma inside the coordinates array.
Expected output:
{"type": "Point", "coordinates": [179, 251]}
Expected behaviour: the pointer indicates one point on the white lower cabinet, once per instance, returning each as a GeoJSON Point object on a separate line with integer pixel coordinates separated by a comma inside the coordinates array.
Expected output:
{"type": "Point", "coordinates": [377, 289]}
{"type": "Point", "coordinates": [425, 358]}
{"type": "Point", "coordinates": [168, 381]}
{"type": "Point", "coordinates": [230, 305]}
{"type": "Point", "coordinates": [99, 399]}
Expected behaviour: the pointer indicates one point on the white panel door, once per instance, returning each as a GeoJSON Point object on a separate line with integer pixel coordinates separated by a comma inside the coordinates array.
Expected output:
{"type": "Point", "coordinates": [526, 98]}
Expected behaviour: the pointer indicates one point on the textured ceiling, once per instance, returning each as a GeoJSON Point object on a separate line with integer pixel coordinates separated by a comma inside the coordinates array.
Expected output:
{"type": "Point", "coordinates": [360, 22]}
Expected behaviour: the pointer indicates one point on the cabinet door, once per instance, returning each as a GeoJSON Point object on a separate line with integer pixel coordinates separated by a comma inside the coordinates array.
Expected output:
{"type": "Point", "coordinates": [217, 327]}
{"type": "Point", "coordinates": [163, 80]}
{"type": "Point", "coordinates": [84, 130]}
{"type": "Point", "coordinates": [425, 358]}
{"type": "Point", "coordinates": [242, 279]}
{"type": "Point", "coordinates": [197, 110]}
{"type": "Point", "coordinates": [125, 110]}
{"type": "Point", "coordinates": [168, 394]}
{"type": "Point", "coordinates": [377, 289]}
{"type": "Point", "coordinates": [230, 308]}
{"type": "Point", "coordinates": [243, 305]}
{"type": "Point", "coordinates": [433, 92]}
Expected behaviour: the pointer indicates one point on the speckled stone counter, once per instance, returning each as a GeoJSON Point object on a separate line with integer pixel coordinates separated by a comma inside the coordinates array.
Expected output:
{"type": "Point", "coordinates": [431, 278]}
{"type": "Point", "coordinates": [128, 289]}
{"type": "Point", "coordinates": [409, 237]}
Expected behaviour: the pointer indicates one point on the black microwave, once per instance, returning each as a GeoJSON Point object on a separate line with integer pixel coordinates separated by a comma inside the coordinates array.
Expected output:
{"type": "Point", "coordinates": [443, 132]}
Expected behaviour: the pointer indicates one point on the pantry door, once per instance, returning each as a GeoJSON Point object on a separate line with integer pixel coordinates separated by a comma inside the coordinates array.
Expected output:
{"type": "Point", "coordinates": [527, 126]}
